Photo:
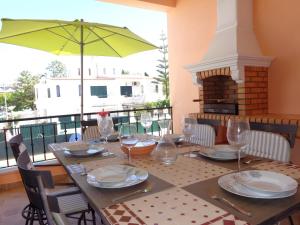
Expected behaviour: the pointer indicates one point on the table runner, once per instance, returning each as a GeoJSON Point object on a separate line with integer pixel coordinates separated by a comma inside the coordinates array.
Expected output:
{"type": "Point", "coordinates": [197, 185]}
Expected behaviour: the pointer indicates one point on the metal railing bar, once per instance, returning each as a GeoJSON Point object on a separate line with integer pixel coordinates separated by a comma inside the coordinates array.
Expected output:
{"type": "Point", "coordinates": [47, 123]}
{"type": "Point", "coordinates": [31, 142]}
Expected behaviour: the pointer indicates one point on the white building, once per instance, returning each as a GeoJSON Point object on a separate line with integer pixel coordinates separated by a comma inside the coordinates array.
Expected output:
{"type": "Point", "coordinates": [57, 96]}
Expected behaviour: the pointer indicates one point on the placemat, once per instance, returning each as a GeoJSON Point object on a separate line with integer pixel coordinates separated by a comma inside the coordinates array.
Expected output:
{"type": "Point", "coordinates": [174, 206]}
{"type": "Point", "coordinates": [183, 172]}
{"type": "Point", "coordinates": [90, 165]}
{"type": "Point", "coordinates": [287, 169]}
{"type": "Point", "coordinates": [103, 197]}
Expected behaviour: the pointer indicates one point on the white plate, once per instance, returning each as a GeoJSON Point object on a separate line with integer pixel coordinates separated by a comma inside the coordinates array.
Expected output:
{"type": "Point", "coordinates": [92, 150]}
{"type": "Point", "coordinates": [213, 154]}
{"type": "Point", "coordinates": [228, 183]}
{"type": "Point", "coordinates": [225, 149]}
{"type": "Point", "coordinates": [116, 176]}
{"type": "Point", "coordinates": [267, 181]}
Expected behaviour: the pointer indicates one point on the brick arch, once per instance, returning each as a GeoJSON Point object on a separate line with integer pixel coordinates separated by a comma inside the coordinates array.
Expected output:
{"type": "Point", "coordinates": [225, 71]}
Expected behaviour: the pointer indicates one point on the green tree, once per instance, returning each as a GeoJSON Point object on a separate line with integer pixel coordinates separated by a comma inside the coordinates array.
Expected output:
{"type": "Point", "coordinates": [56, 69]}
{"type": "Point", "coordinates": [163, 67]}
{"type": "Point", "coordinates": [23, 97]}
{"type": "Point", "coordinates": [8, 97]}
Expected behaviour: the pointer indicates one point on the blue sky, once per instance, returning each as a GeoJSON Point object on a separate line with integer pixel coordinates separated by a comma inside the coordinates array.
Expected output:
{"type": "Point", "coordinates": [146, 23]}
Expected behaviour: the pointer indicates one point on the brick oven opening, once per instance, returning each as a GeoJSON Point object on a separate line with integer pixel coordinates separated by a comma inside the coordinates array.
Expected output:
{"type": "Point", "coordinates": [220, 95]}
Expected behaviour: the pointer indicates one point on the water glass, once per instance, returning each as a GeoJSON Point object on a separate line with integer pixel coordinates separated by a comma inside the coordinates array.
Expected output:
{"type": "Point", "coordinates": [188, 126]}
{"type": "Point", "coordinates": [105, 126]}
{"type": "Point", "coordinates": [128, 137]}
{"type": "Point", "coordinates": [146, 120]}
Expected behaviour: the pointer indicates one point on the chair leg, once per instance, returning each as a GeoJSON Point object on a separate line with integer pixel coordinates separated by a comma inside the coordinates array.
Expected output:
{"type": "Point", "coordinates": [291, 220]}
{"type": "Point", "coordinates": [28, 216]}
{"type": "Point", "coordinates": [40, 217]}
{"type": "Point", "coordinates": [93, 217]}
{"type": "Point", "coordinates": [84, 218]}
{"type": "Point", "coordinates": [79, 219]}
{"type": "Point", "coordinates": [32, 216]}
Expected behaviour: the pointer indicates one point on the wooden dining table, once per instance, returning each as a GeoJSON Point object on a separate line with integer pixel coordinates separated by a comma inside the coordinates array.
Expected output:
{"type": "Point", "coordinates": [181, 193]}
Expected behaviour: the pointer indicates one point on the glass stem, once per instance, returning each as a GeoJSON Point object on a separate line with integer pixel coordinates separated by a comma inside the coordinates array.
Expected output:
{"type": "Point", "coordinates": [129, 155]}
{"type": "Point", "coordinates": [239, 160]}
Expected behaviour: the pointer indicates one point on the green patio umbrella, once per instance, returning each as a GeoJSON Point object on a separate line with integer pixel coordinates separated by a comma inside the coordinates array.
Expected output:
{"type": "Point", "coordinates": [73, 38]}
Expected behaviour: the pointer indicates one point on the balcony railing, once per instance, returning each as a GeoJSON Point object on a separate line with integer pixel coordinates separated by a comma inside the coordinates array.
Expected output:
{"type": "Point", "coordinates": [38, 132]}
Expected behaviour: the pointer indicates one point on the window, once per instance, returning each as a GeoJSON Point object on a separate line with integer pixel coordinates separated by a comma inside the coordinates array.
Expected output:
{"type": "Point", "coordinates": [78, 70]}
{"type": "Point", "coordinates": [156, 88]}
{"type": "Point", "coordinates": [126, 91]}
{"type": "Point", "coordinates": [37, 93]}
{"type": "Point", "coordinates": [114, 71]}
{"type": "Point", "coordinates": [90, 72]}
{"type": "Point", "coordinates": [79, 90]}
{"type": "Point", "coordinates": [57, 91]}
{"type": "Point", "coordinates": [49, 92]}
{"type": "Point", "coordinates": [104, 71]}
{"type": "Point", "coordinates": [99, 91]}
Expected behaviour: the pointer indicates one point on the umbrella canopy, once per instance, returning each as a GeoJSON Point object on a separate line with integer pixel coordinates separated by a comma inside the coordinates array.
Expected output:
{"type": "Point", "coordinates": [73, 38]}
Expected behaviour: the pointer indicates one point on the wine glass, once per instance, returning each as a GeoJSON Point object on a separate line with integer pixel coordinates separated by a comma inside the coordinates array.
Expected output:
{"type": "Point", "coordinates": [128, 137]}
{"type": "Point", "coordinates": [105, 126]}
{"type": "Point", "coordinates": [188, 126]}
{"type": "Point", "coordinates": [237, 135]}
{"type": "Point", "coordinates": [146, 120]}
{"type": "Point", "coordinates": [165, 126]}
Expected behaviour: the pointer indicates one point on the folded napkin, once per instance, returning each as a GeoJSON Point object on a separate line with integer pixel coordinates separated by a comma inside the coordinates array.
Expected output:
{"type": "Point", "coordinates": [77, 146]}
{"type": "Point", "coordinates": [113, 174]}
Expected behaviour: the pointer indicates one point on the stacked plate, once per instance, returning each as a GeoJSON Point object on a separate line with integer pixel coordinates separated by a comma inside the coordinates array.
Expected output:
{"type": "Point", "coordinates": [82, 150]}
{"type": "Point", "coordinates": [116, 176]}
{"type": "Point", "coordinates": [259, 184]}
{"type": "Point", "coordinates": [221, 152]}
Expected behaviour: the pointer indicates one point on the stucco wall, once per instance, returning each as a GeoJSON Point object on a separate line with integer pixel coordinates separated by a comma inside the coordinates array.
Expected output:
{"type": "Point", "coordinates": [191, 26]}
{"type": "Point", "coordinates": [276, 25]}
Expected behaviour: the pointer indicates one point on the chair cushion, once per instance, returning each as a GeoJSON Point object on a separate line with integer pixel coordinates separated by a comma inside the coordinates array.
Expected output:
{"type": "Point", "coordinates": [70, 204]}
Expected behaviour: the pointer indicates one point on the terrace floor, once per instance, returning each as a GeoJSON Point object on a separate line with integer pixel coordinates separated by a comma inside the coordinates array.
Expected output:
{"type": "Point", "coordinates": [12, 202]}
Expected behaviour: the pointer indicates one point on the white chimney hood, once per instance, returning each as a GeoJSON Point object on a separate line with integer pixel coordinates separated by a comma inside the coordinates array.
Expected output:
{"type": "Point", "coordinates": [234, 44]}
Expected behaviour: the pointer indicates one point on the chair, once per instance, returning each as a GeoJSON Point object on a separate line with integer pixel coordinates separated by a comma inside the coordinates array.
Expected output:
{"type": "Point", "coordinates": [35, 182]}
{"type": "Point", "coordinates": [203, 135]}
{"type": "Point", "coordinates": [289, 131]}
{"type": "Point", "coordinates": [70, 200]}
{"type": "Point", "coordinates": [271, 145]}
{"type": "Point", "coordinates": [268, 145]}
{"type": "Point", "coordinates": [67, 203]}
{"type": "Point", "coordinates": [17, 146]}
{"type": "Point", "coordinates": [90, 130]}
{"type": "Point", "coordinates": [220, 130]}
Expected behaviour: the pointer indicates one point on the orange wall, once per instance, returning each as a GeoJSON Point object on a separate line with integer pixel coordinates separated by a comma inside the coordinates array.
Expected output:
{"type": "Point", "coordinates": [191, 26]}
{"type": "Point", "coordinates": [277, 26]}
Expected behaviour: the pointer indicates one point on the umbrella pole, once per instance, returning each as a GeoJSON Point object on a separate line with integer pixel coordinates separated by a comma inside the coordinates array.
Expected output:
{"type": "Point", "coordinates": [81, 73]}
